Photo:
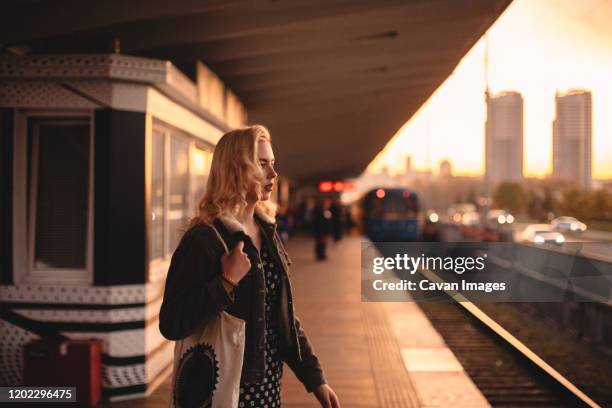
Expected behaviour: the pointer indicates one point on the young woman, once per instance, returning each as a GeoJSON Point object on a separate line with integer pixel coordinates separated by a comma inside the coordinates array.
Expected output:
{"type": "Point", "coordinates": [251, 282]}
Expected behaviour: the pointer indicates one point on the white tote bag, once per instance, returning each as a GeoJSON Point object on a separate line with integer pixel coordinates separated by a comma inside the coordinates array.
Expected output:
{"type": "Point", "coordinates": [208, 363]}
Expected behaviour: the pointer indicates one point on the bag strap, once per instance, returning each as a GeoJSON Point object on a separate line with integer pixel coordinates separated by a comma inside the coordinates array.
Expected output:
{"type": "Point", "coordinates": [220, 237]}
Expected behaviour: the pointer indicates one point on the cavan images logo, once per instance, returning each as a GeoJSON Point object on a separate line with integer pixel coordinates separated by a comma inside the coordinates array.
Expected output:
{"type": "Point", "coordinates": [197, 377]}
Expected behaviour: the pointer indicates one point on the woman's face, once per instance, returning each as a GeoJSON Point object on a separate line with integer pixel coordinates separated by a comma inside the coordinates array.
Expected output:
{"type": "Point", "coordinates": [265, 157]}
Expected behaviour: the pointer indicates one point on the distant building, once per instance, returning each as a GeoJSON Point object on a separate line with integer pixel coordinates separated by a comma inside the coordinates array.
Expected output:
{"type": "Point", "coordinates": [446, 169]}
{"type": "Point", "coordinates": [572, 134]}
{"type": "Point", "coordinates": [504, 137]}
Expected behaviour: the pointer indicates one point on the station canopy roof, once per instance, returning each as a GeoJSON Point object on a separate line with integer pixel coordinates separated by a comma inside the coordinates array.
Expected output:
{"type": "Point", "coordinates": [332, 79]}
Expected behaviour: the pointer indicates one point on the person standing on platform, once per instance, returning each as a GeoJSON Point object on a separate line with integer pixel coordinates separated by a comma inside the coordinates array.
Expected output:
{"type": "Point", "coordinates": [322, 227]}
{"type": "Point", "coordinates": [251, 282]}
{"type": "Point", "coordinates": [283, 223]}
{"type": "Point", "coordinates": [337, 219]}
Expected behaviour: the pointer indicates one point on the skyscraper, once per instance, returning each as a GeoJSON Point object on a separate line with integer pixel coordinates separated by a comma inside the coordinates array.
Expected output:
{"type": "Point", "coordinates": [572, 134]}
{"type": "Point", "coordinates": [504, 137]}
{"type": "Point", "coordinates": [408, 164]}
{"type": "Point", "coordinates": [446, 169]}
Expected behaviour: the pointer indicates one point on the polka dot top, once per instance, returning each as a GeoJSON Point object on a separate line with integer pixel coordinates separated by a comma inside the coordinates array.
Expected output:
{"type": "Point", "coordinates": [267, 393]}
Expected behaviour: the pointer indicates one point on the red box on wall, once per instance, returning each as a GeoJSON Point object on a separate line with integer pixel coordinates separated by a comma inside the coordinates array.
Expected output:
{"type": "Point", "coordinates": [68, 363]}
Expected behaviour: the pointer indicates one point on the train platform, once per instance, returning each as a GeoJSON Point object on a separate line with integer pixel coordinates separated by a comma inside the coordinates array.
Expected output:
{"type": "Point", "coordinates": [375, 355]}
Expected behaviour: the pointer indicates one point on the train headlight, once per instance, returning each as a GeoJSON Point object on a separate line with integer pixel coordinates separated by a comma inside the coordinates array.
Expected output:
{"type": "Point", "coordinates": [509, 219]}
{"type": "Point", "coordinates": [501, 219]}
{"type": "Point", "coordinates": [538, 239]}
{"type": "Point", "coordinates": [433, 217]}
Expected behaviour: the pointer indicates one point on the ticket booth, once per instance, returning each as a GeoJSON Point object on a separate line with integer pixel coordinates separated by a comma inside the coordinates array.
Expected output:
{"type": "Point", "coordinates": [103, 159]}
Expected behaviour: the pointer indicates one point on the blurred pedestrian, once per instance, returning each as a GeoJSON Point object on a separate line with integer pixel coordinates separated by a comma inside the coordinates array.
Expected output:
{"type": "Point", "coordinates": [309, 209]}
{"type": "Point", "coordinates": [349, 224]}
{"type": "Point", "coordinates": [337, 219]}
{"type": "Point", "coordinates": [282, 223]}
{"type": "Point", "coordinates": [322, 227]}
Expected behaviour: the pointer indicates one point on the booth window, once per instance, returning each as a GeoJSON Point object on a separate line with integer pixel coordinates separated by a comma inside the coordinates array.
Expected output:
{"type": "Point", "coordinates": [157, 196]}
{"type": "Point", "coordinates": [201, 158]}
{"type": "Point", "coordinates": [59, 198]}
{"type": "Point", "coordinates": [178, 199]}
{"type": "Point", "coordinates": [179, 170]}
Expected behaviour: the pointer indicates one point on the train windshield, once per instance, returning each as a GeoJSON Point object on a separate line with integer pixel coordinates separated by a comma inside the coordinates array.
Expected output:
{"type": "Point", "coordinates": [394, 205]}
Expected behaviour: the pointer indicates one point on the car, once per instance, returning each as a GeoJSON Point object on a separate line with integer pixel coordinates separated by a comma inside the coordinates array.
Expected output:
{"type": "Point", "coordinates": [431, 228]}
{"type": "Point", "coordinates": [470, 219]}
{"type": "Point", "coordinates": [432, 216]}
{"type": "Point", "coordinates": [499, 217]}
{"type": "Point", "coordinates": [568, 224]}
{"type": "Point", "coordinates": [542, 233]}
{"type": "Point", "coordinates": [456, 211]}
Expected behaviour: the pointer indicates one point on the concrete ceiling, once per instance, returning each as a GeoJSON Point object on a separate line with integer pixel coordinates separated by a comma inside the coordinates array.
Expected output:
{"type": "Point", "coordinates": [332, 79]}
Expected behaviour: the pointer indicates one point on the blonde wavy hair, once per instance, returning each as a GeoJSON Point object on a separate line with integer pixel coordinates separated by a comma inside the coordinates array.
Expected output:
{"type": "Point", "coordinates": [234, 172]}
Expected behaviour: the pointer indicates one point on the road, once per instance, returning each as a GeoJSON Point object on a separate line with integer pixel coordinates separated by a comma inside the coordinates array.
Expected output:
{"type": "Point", "coordinates": [591, 243]}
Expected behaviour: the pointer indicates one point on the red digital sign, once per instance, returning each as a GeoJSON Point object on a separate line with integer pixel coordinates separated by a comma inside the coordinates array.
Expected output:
{"type": "Point", "coordinates": [325, 186]}
{"type": "Point", "coordinates": [338, 186]}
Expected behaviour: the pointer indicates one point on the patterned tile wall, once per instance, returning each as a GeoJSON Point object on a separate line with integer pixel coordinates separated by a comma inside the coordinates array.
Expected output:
{"type": "Point", "coordinates": [105, 313]}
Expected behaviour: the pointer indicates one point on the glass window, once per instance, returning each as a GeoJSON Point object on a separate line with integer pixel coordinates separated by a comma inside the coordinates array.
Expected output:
{"type": "Point", "coordinates": [59, 193]}
{"type": "Point", "coordinates": [179, 173]}
{"type": "Point", "coordinates": [411, 205]}
{"type": "Point", "coordinates": [200, 169]}
{"type": "Point", "coordinates": [157, 195]}
{"type": "Point", "coordinates": [178, 199]}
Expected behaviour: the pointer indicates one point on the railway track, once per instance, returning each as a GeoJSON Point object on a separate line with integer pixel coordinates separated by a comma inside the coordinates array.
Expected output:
{"type": "Point", "coordinates": [507, 373]}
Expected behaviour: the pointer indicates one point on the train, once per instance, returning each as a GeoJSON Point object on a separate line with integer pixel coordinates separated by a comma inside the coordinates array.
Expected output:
{"type": "Point", "coordinates": [391, 214]}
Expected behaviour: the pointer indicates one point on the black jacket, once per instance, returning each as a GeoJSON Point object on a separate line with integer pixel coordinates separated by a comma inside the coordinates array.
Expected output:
{"type": "Point", "coordinates": [194, 293]}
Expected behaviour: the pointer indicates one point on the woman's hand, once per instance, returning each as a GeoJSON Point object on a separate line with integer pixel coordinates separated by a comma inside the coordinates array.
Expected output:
{"type": "Point", "coordinates": [236, 264]}
{"type": "Point", "coordinates": [327, 397]}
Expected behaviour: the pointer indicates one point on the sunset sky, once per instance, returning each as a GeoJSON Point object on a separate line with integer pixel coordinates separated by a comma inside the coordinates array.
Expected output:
{"type": "Point", "coordinates": [536, 47]}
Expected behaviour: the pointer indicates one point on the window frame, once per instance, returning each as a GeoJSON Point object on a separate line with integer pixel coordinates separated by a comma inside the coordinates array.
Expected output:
{"type": "Point", "coordinates": [24, 213]}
